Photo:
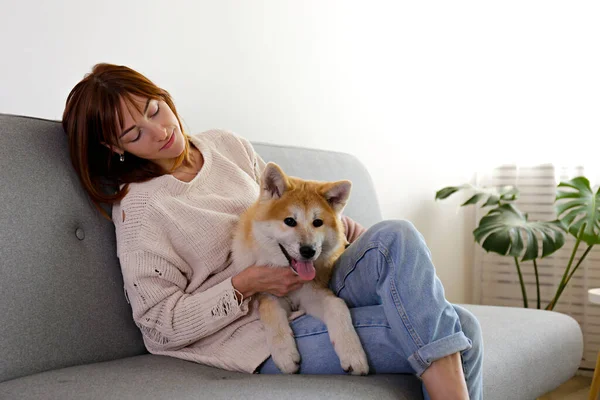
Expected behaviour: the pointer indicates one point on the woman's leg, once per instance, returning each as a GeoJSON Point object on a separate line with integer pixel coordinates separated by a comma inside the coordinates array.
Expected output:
{"type": "Point", "coordinates": [378, 341]}
{"type": "Point", "coordinates": [444, 379]}
{"type": "Point", "coordinates": [391, 265]}
{"type": "Point", "coordinates": [318, 355]}
{"type": "Point", "coordinates": [472, 359]}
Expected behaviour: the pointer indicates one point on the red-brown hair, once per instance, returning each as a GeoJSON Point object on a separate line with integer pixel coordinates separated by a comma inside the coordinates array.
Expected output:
{"type": "Point", "coordinates": [93, 116]}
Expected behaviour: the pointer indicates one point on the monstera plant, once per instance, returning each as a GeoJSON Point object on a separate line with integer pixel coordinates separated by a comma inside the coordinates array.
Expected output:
{"type": "Point", "coordinates": [507, 231]}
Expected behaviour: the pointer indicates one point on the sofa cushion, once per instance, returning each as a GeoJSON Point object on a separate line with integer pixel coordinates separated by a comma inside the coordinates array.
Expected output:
{"type": "Point", "coordinates": [527, 353]}
{"type": "Point", "coordinates": [154, 377]}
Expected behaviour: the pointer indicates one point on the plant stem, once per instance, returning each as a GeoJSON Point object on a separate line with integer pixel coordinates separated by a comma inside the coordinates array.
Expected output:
{"type": "Point", "coordinates": [579, 262]}
{"type": "Point", "coordinates": [563, 287]}
{"type": "Point", "coordinates": [577, 243]}
{"type": "Point", "coordinates": [561, 284]}
{"type": "Point", "coordinates": [537, 283]}
{"type": "Point", "coordinates": [525, 304]}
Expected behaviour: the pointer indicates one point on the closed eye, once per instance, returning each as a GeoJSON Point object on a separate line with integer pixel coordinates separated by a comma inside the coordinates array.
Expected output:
{"type": "Point", "coordinates": [152, 116]}
{"type": "Point", "coordinates": [138, 136]}
{"type": "Point", "coordinates": [156, 112]}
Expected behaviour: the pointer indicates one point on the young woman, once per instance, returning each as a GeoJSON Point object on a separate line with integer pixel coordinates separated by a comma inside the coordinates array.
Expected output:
{"type": "Point", "coordinates": [175, 200]}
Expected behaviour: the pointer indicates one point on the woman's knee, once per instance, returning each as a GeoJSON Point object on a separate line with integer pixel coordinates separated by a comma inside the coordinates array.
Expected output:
{"type": "Point", "coordinates": [395, 230]}
{"type": "Point", "coordinates": [398, 237]}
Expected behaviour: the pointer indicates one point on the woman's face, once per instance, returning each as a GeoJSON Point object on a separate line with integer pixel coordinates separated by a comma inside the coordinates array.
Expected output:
{"type": "Point", "coordinates": [154, 134]}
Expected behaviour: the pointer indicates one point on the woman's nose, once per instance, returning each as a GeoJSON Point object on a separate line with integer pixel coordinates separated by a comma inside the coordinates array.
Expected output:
{"type": "Point", "coordinates": [159, 132]}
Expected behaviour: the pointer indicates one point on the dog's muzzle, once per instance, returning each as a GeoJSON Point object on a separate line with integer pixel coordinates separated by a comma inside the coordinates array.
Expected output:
{"type": "Point", "coordinates": [286, 254]}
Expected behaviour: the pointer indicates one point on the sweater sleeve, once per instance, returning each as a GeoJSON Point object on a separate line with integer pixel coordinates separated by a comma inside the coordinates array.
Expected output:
{"type": "Point", "coordinates": [259, 167]}
{"type": "Point", "coordinates": [352, 228]}
{"type": "Point", "coordinates": [167, 316]}
{"type": "Point", "coordinates": [258, 164]}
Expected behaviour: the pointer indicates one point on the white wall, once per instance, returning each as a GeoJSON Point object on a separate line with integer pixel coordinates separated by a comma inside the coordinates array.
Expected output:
{"type": "Point", "coordinates": [416, 90]}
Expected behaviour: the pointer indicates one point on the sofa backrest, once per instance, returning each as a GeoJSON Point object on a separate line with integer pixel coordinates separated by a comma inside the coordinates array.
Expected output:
{"type": "Point", "coordinates": [61, 290]}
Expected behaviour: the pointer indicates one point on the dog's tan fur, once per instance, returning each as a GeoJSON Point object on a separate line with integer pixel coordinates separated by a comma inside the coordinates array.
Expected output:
{"type": "Point", "coordinates": [256, 242]}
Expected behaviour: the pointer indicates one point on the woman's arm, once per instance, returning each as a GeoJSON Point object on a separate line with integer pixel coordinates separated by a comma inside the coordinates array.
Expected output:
{"type": "Point", "coordinates": [352, 228]}
{"type": "Point", "coordinates": [166, 315]}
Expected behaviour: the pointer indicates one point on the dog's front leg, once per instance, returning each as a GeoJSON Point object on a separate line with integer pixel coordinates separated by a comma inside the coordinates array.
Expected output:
{"type": "Point", "coordinates": [323, 304]}
{"type": "Point", "coordinates": [280, 337]}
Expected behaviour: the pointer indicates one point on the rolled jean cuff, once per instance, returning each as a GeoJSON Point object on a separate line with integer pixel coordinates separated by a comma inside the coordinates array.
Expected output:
{"type": "Point", "coordinates": [422, 358]}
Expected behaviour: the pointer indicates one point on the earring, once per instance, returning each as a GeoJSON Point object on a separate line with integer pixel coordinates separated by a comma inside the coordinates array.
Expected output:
{"type": "Point", "coordinates": [122, 157]}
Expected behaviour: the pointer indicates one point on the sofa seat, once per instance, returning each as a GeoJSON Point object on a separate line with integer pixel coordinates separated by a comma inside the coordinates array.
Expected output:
{"type": "Point", "coordinates": [522, 361]}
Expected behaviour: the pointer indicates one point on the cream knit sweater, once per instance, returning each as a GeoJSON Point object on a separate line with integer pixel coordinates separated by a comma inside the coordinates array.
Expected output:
{"type": "Point", "coordinates": [173, 241]}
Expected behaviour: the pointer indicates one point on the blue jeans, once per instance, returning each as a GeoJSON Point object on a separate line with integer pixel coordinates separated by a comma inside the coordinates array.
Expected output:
{"type": "Point", "coordinates": [398, 308]}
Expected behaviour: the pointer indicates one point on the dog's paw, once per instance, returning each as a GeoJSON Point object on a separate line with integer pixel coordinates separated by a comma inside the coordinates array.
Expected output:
{"type": "Point", "coordinates": [285, 354]}
{"type": "Point", "coordinates": [355, 364]}
{"type": "Point", "coordinates": [352, 355]}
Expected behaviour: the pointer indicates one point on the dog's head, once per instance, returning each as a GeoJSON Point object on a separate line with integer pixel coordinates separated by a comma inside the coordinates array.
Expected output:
{"type": "Point", "coordinates": [301, 217]}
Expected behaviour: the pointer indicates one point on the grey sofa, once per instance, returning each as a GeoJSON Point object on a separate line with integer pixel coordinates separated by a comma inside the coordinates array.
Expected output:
{"type": "Point", "coordinates": [66, 330]}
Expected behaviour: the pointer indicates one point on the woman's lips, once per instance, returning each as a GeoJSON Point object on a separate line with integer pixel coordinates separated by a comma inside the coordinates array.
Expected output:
{"type": "Point", "coordinates": [170, 142]}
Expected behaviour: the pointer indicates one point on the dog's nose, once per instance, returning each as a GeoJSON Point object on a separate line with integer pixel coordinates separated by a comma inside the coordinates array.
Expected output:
{"type": "Point", "coordinates": [307, 251]}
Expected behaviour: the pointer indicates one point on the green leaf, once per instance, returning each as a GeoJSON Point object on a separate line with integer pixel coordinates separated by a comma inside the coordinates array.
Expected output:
{"type": "Point", "coordinates": [517, 241]}
{"type": "Point", "coordinates": [492, 196]}
{"type": "Point", "coordinates": [509, 193]}
{"type": "Point", "coordinates": [576, 204]}
{"type": "Point", "coordinates": [506, 231]}
{"type": "Point", "coordinates": [493, 200]}
{"type": "Point", "coordinates": [474, 199]}
{"type": "Point", "coordinates": [448, 191]}
{"type": "Point", "coordinates": [531, 252]}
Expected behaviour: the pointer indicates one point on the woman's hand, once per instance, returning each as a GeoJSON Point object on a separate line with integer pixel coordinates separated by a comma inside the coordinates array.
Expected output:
{"type": "Point", "coordinates": [256, 279]}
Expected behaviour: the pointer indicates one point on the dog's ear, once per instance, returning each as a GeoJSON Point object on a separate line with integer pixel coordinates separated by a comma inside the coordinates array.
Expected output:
{"type": "Point", "coordinates": [337, 194]}
{"type": "Point", "coordinates": [273, 182]}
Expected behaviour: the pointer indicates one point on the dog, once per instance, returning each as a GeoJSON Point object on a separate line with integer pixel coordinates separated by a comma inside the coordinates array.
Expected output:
{"type": "Point", "coordinates": [296, 224]}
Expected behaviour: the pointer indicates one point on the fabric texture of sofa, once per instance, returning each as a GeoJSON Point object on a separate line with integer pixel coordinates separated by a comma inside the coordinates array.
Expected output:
{"type": "Point", "coordinates": [66, 330]}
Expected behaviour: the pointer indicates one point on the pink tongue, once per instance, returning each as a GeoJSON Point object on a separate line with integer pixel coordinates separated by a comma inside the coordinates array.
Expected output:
{"type": "Point", "coordinates": [306, 270]}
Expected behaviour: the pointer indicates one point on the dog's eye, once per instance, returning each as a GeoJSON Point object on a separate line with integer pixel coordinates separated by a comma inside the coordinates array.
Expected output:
{"type": "Point", "coordinates": [317, 223]}
{"type": "Point", "coordinates": [290, 222]}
